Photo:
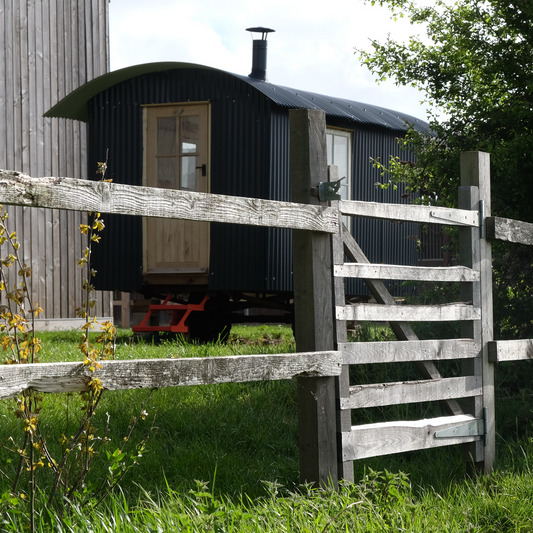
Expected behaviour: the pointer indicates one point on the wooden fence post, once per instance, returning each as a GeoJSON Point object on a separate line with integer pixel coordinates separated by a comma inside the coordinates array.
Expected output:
{"type": "Point", "coordinates": [476, 249]}
{"type": "Point", "coordinates": [313, 302]}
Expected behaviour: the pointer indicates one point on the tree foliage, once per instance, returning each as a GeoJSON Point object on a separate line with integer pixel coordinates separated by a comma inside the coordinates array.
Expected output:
{"type": "Point", "coordinates": [473, 61]}
{"type": "Point", "coordinates": [474, 64]}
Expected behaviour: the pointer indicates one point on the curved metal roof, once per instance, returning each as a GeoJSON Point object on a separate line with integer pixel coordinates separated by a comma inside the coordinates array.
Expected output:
{"type": "Point", "coordinates": [75, 105]}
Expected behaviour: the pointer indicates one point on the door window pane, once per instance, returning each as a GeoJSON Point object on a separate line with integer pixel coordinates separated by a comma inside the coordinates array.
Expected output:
{"type": "Point", "coordinates": [189, 173]}
{"type": "Point", "coordinates": [166, 135]}
{"type": "Point", "coordinates": [166, 173]}
{"type": "Point", "coordinates": [340, 156]}
{"type": "Point", "coordinates": [190, 130]}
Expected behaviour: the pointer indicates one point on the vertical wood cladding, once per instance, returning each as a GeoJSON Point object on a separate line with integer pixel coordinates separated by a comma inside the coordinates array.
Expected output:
{"type": "Point", "coordinates": [48, 49]}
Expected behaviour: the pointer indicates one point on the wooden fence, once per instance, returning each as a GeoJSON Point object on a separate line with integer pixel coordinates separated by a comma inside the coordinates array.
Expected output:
{"type": "Point", "coordinates": [328, 442]}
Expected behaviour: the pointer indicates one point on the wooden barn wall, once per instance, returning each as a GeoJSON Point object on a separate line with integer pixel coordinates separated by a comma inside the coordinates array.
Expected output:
{"type": "Point", "coordinates": [48, 49]}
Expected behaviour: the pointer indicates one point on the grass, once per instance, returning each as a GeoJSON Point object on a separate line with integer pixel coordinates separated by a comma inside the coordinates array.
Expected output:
{"type": "Point", "coordinates": [225, 458]}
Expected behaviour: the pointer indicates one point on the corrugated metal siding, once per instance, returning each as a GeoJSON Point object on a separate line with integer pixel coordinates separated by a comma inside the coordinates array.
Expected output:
{"type": "Point", "coordinates": [239, 159]}
{"type": "Point", "coordinates": [279, 275]}
{"type": "Point", "coordinates": [336, 107]}
{"type": "Point", "coordinates": [382, 241]}
{"type": "Point", "coordinates": [249, 157]}
{"type": "Point", "coordinates": [48, 49]}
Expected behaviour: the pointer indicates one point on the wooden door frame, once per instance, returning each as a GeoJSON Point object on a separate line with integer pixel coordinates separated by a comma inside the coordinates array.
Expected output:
{"type": "Point", "coordinates": [179, 276]}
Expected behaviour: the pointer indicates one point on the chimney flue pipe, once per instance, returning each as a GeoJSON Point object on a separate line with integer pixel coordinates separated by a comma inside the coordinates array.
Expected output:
{"type": "Point", "coordinates": [259, 55]}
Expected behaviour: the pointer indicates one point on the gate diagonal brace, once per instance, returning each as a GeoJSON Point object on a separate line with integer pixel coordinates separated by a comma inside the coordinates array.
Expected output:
{"type": "Point", "coordinates": [180, 313]}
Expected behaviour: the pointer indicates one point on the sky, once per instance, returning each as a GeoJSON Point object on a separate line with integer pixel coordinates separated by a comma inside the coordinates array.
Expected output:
{"type": "Point", "coordinates": [312, 48]}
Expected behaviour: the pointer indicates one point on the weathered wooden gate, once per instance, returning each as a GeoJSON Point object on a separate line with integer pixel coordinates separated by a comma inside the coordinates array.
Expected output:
{"type": "Point", "coordinates": [470, 422]}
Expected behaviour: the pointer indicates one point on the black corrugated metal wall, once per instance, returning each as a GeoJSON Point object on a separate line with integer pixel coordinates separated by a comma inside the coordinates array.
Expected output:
{"type": "Point", "coordinates": [249, 157]}
{"type": "Point", "coordinates": [382, 241]}
{"type": "Point", "coordinates": [240, 161]}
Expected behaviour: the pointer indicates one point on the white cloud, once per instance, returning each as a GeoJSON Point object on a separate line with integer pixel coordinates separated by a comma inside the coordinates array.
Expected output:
{"type": "Point", "coordinates": [312, 49]}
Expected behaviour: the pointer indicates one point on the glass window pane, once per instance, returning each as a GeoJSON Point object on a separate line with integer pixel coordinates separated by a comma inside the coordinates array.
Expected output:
{"type": "Point", "coordinates": [166, 135]}
{"type": "Point", "coordinates": [166, 173]}
{"type": "Point", "coordinates": [189, 174]}
{"type": "Point", "coordinates": [340, 155]}
{"type": "Point", "coordinates": [190, 130]}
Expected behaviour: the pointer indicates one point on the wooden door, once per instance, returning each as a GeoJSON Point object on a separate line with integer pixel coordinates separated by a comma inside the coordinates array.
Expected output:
{"type": "Point", "coordinates": [176, 156]}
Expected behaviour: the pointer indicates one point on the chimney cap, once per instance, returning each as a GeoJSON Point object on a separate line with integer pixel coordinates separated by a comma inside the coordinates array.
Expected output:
{"type": "Point", "coordinates": [260, 29]}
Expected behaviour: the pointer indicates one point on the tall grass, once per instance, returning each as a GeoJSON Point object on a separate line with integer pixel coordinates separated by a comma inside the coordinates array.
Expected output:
{"type": "Point", "coordinates": [225, 458]}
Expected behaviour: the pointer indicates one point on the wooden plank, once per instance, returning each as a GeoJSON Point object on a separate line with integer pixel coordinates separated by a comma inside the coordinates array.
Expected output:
{"type": "Point", "coordinates": [313, 301]}
{"type": "Point", "coordinates": [475, 172]}
{"type": "Point", "coordinates": [155, 373]}
{"type": "Point", "coordinates": [64, 263]}
{"type": "Point", "coordinates": [395, 437]}
{"type": "Point", "coordinates": [24, 162]}
{"type": "Point", "coordinates": [81, 195]}
{"type": "Point", "coordinates": [402, 330]}
{"type": "Point", "coordinates": [73, 254]}
{"type": "Point", "coordinates": [469, 253]}
{"type": "Point", "coordinates": [56, 236]}
{"type": "Point", "coordinates": [408, 313]}
{"type": "Point", "coordinates": [342, 383]}
{"type": "Point", "coordinates": [89, 27]}
{"type": "Point", "coordinates": [104, 37]}
{"type": "Point", "coordinates": [411, 213]}
{"type": "Point", "coordinates": [513, 350]}
{"type": "Point", "coordinates": [361, 353]}
{"type": "Point", "coordinates": [402, 272]}
{"type": "Point", "coordinates": [380, 394]}
{"type": "Point", "coordinates": [36, 89]}
{"type": "Point", "coordinates": [47, 251]}
{"type": "Point", "coordinates": [4, 23]}
{"type": "Point", "coordinates": [17, 90]}
{"type": "Point", "coordinates": [9, 87]}
{"type": "Point", "coordinates": [507, 229]}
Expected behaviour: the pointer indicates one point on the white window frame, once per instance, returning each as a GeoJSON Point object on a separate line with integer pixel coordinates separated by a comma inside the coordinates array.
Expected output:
{"type": "Point", "coordinates": [346, 184]}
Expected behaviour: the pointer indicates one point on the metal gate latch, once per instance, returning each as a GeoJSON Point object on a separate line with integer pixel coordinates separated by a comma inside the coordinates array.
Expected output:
{"type": "Point", "coordinates": [327, 190]}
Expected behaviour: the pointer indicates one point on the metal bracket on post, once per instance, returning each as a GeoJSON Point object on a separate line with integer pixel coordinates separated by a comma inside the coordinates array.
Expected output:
{"type": "Point", "coordinates": [482, 219]}
{"type": "Point", "coordinates": [474, 428]}
{"type": "Point", "coordinates": [327, 190]}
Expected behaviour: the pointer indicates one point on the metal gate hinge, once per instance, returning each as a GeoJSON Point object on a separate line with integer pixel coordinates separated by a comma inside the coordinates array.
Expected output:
{"type": "Point", "coordinates": [327, 190]}
{"type": "Point", "coordinates": [482, 219]}
{"type": "Point", "coordinates": [474, 428]}
{"type": "Point", "coordinates": [467, 218]}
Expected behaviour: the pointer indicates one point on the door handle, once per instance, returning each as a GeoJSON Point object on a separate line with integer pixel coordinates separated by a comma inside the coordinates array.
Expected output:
{"type": "Point", "coordinates": [204, 169]}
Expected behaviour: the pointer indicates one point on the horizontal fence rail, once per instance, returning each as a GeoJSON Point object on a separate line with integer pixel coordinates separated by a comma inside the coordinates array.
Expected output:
{"type": "Point", "coordinates": [155, 373]}
{"type": "Point", "coordinates": [402, 272]}
{"type": "Point", "coordinates": [381, 394]}
{"type": "Point", "coordinates": [371, 440]}
{"type": "Point", "coordinates": [514, 350]}
{"type": "Point", "coordinates": [408, 313]}
{"type": "Point", "coordinates": [507, 229]}
{"type": "Point", "coordinates": [410, 213]}
{"type": "Point", "coordinates": [361, 353]}
{"type": "Point", "coordinates": [103, 197]}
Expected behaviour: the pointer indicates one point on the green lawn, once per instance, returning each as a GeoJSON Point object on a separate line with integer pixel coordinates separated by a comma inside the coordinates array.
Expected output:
{"type": "Point", "coordinates": [225, 458]}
